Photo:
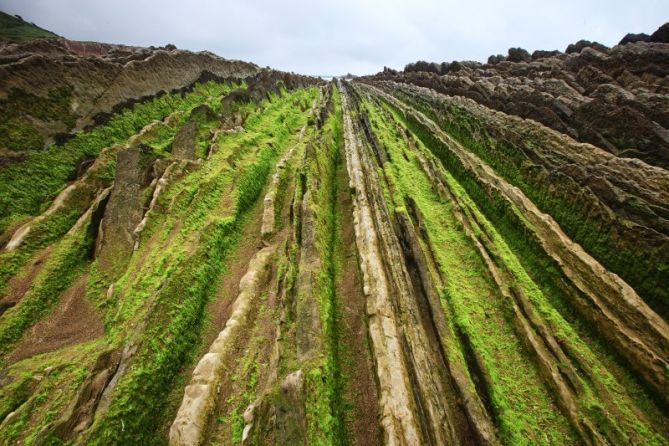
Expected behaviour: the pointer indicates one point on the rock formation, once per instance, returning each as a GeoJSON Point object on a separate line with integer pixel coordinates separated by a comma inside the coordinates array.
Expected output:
{"type": "Point", "coordinates": [85, 82]}
{"type": "Point", "coordinates": [613, 98]}
{"type": "Point", "coordinates": [456, 254]}
{"type": "Point", "coordinates": [124, 210]}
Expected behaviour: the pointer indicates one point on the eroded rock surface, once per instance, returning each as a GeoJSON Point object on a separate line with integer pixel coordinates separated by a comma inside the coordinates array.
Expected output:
{"type": "Point", "coordinates": [87, 81]}
{"type": "Point", "coordinates": [124, 210]}
{"type": "Point", "coordinates": [364, 262]}
{"type": "Point", "coordinates": [183, 146]}
{"type": "Point", "coordinates": [616, 99]}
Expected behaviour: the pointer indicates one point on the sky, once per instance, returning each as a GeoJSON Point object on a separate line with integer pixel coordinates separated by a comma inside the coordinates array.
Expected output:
{"type": "Point", "coordinates": [348, 36]}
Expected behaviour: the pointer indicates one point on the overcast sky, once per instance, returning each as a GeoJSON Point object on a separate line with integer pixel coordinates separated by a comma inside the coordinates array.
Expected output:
{"type": "Point", "coordinates": [336, 37]}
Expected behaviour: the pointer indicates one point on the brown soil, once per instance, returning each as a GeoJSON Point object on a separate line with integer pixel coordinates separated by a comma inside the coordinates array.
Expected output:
{"type": "Point", "coordinates": [72, 321]}
{"type": "Point", "coordinates": [360, 388]}
{"type": "Point", "coordinates": [236, 267]}
{"type": "Point", "coordinates": [19, 284]}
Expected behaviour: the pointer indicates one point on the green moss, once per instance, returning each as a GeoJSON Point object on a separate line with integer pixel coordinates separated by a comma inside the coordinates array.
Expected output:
{"type": "Point", "coordinates": [44, 386]}
{"type": "Point", "coordinates": [182, 281]}
{"type": "Point", "coordinates": [326, 408]}
{"type": "Point", "coordinates": [604, 399]}
{"type": "Point", "coordinates": [16, 129]}
{"type": "Point", "coordinates": [27, 187]}
{"type": "Point", "coordinates": [321, 423]}
{"type": "Point", "coordinates": [247, 379]}
{"type": "Point", "coordinates": [636, 259]}
{"type": "Point", "coordinates": [19, 134]}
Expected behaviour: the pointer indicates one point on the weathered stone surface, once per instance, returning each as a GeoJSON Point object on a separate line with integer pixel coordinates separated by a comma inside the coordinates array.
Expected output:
{"type": "Point", "coordinates": [103, 77]}
{"type": "Point", "coordinates": [622, 197]}
{"type": "Point", "coordinates": [204, 113]}
{"type": "Point", "coordinates": [208, 369]}
{"type": "Point", "coordinates": [78, 195]}
{"type": "Point", "coordinates": [633, 38]}
{"type": "Point", "coordinates": [616, 99]}
{"type": "Point", "coordinates": [81, 411]}
{"type": "Point", "coordinates": [124, 210]}
{"type": "Point", "coordinates": [661, 35]}
{"type": "Point", "coordinates": [188, 426]}
{"type": "Point", "coordinates": [183, 146]}
{"type": "Point", "coordinates": [269, 210]}
{"type": "Point", "coordinates": [415, 397]}
{"type": "Point", "coordinates": [518, 55]}
{"type": "Point", "coordinates": [612, 305]}
{"type": "Point", "coordinates": [279, 417]}
{"type": "Point", "coordinates": [309, 327]}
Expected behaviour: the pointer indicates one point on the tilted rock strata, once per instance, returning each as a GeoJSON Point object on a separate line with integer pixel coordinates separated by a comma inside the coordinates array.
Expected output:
{"type": "Point", "coordinates": [101, 80]}
{"type": "Point", "coordinates": [639, 333]}
{"type": "Point", "coordinates": [616, 99]}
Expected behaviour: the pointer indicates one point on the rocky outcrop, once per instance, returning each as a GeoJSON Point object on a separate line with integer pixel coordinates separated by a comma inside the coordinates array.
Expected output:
{"type": "Point", "coordinates": [80, 413]}
{"type": "Point", "coordinates": [77, 196]}
{"type": "Point", "coordinates": [280, 419]}
{"type": "Point", "coordinates": [269, 203]}
{"type": "Point", "coordinates": [184, 143]}
{"type": "Point", "coordinates": [124, 210]}
{"type": "Point", "coordinates": [582, 44]}
{"type": "Point", "coordinates": [585, 188]}
{"type": "Point", "coordinates": [611, 304]}
{"type": "Point", "coordinates": [94, 80]}
{"type": "Point", "coordinates": [661, 35]}
{"type": "Point", "coordinates": [616, 99]}
{"type": "Point", "coordinates": [415, 385]}
{"type": "Point", "coordinates": [425, 268]}
{"type": "Point", "coordinates": [307, 307]}
{"type": "Point", "coordinates": [183, 146]}
{"type": "Point", "coordinates": [633, 38]}
{"type": "Point", "coordinates": [171, 173]}
{"type": "Point", "coordinates": [198, 401]}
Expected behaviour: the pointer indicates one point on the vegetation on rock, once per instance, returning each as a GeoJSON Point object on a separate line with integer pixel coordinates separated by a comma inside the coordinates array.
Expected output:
{"type": "Point", "coordinates": [269, 258]}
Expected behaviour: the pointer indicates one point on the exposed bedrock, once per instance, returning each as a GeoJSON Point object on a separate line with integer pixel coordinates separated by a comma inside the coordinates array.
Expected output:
{"type": "Point", "coordinates": [184, 142]}
{"type": "Point", "coordinates": [82, 82]}
{"type": "Point", "coordinates": [77, 196]}
{"type": "Point", "coordinates": [604, 298]}
{"type": "Point", "coordinates": [616, 99]}
{"type": "Point", "coordinates": [418, 401]}
{"type": "Point", "coordinates": [456, 254]}
{"type": "Point", "coordinates": [125, 209]}
{"type": "Point", "coordinates": [199, 397]}
{"type": "Point", "coordinates": [309, 326]}
{"type": "Point", "coordinates": [81, 411]}
{"type": "Point", "coordinates": [616, 208]}
{"type": "Point", "coordinates": [279, 419]}
{"type": "Point", "coordinates": [202, 395]}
